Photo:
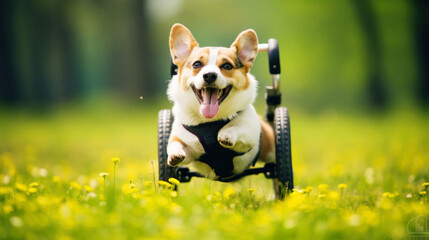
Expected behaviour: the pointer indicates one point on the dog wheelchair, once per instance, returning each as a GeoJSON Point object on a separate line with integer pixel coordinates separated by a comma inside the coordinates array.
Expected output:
{"type": "Point", "coordinates": [278, 117]}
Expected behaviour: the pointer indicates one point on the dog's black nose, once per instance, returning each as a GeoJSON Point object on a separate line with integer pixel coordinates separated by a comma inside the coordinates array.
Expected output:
{"type": "Point", "coordinates": [210, 77]}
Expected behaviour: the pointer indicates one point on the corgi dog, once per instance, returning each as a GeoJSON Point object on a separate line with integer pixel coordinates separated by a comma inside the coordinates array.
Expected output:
{"type": "Point", "coordinates": [216, 128]}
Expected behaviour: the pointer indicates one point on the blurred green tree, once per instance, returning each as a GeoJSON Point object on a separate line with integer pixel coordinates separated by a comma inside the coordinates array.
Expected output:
{"type": "Point", "coordinates": [375, 90]}
{"type": "Point", "coordinates": [8, 87]}
{"type": "Point", "coordinates": [56, 51]}
{"type": "Point", "coordinates": [421, 35]}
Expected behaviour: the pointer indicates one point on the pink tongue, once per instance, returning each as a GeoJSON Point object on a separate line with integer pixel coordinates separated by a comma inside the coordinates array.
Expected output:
{"type": "Point", "coordinates": [210, 106]}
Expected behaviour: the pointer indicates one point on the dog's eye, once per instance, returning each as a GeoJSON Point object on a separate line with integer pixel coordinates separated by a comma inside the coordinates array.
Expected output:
{"type": "Point", "coordinates": [226, 66]}
{"type": "Point", "coordinates": [197, 65]}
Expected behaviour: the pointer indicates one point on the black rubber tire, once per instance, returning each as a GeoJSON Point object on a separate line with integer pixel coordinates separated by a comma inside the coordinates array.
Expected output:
{"type": "Point", "coordinates": [283, 151]}
{"type": "Point", "coordinates": [165, 120]}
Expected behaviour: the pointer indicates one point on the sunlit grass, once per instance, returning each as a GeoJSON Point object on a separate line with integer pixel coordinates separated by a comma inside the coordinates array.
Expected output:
{"type": "Point", "coordinates": [86, 174]}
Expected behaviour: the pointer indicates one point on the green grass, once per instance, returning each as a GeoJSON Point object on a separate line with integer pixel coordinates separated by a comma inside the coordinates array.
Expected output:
{"type": "Point", "coordinates": [382, 160]}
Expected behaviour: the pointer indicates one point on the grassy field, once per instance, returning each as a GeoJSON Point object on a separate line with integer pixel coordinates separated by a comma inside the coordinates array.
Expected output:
{"type": "Point", "coordinates": [358, 176]}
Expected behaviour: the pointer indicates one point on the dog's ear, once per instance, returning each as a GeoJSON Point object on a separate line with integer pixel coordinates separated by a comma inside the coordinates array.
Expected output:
{"type": "Point", "coordinates": [246, 45]}
{"type": "Point", "coordinates": [181, 43]}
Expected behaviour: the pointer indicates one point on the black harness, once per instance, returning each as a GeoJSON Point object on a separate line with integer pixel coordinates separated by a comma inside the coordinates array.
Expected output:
{"type": "Point", "coordinates": [216, 156]}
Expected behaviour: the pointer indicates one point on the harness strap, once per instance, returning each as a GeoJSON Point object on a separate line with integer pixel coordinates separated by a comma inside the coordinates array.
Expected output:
{"type": "Point", "coordinates": [216, 156]}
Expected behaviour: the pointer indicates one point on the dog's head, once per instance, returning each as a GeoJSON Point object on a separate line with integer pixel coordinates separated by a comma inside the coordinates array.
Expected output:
{"type": "Point", "coordinates": [216, 77]}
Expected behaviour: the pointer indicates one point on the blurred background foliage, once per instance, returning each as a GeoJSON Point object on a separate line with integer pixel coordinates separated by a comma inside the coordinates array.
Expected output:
{"type": "Point", "coordinates": [336, 55]}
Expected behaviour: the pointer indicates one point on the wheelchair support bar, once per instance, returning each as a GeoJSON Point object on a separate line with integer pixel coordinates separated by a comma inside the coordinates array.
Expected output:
{"type": "Point", "coordinates": [263, 47]}
{"type": "Point", "coordinates": [273, 95]}
{"type": "Point", "coordinates": [269, 170]}
{"type": "Point", "coordinates": [272, 47]}
{"type": "Point", "coordinates": [273, 56]}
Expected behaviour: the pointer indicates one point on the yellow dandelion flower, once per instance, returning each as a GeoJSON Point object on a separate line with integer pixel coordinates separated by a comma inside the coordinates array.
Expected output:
{"type": "Point", "coordinates": [5, 190]}
{"type": "Point", "coordinates": [391, 195]}
{"type": "Point", "coordinates": [33, 185]}
{"type": "Point", "coordinates": [217, 205]}
{"type": "Point", "coordinates": [164, 183]}
{"type": "Point", "coordinates": [296, 195]}
{"type": "Point", "coordinates": [342, 186]}
{"type": "Point", "coordinates": [88, 188]}
{"type": "Point", "coordinates": [251, 190]}
{"type": "Point", "coordinates": [425, 184]}
{"type": "Point", "coordinates": [116, 160]}
{"type": "Point", "coordinates": [76, 185]}
{"type": "Point", "coordinates": [56, 179]}
{"type": "Point", "coordinates": [323, 187]}
{"type": "Point", "coordinates": [21, 187]}
{"type": "Point", "coordinates": [217, 196]}
{"type": "Point", "coordinates": [174, 181]}
{"type": "Point", "coordinates": [135, 195]}
{"type": "Point", "coordinates": [103, 174]}
{"type": "Point", "coordinates": [297, 190]}
{"type": "Point", "coordinates": [332, 195]}
{"type": "Point", "coordinates": [7, 209]}
{"type": "Point", "coordinates": [126, 189]}
{"type": "Point", "coordinates": [422, 193]}
{"type": "Point", "coordinates": [229, 192]}
{"type": "Point", "coordinates": [32, 190]}
{"type": "Point", "coordinates": [385, 194]}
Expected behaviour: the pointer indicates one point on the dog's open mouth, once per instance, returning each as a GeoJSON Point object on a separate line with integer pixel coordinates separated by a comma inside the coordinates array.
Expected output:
{"type": "Point", "coordinates": [210, 98]}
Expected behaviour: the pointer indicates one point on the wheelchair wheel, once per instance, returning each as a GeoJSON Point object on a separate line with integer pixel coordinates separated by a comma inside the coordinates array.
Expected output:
{"type": "Point", "coordinates": [283, 152]}
{"type": "Point", "coordinates": [165, 120]}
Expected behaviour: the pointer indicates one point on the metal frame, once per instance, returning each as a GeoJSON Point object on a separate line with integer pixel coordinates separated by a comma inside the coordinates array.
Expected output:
{"type": "Point", "coordinates": [183, 174]}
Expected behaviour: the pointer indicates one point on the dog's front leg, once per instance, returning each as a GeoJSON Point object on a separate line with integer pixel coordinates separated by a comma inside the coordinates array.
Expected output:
{"type": "Point", "coordinates": [175, 151]}
{"type": "Point", "coordinates": [242, 133]}
{"type": "Point", "coordinates": [235, 138]}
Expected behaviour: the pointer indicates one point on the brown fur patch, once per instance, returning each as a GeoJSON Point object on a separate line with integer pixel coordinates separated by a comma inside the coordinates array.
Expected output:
{"type": "Point", "coordinates": [177, 139]}
{"type": "Point", "coordinates": [200, 54]}
{"type": "Point", "coordinates": [238, 73]}
{"type": "Point", "coordinates": [186, 70]}
{"type": "Point", "coordinates": [267, 140]}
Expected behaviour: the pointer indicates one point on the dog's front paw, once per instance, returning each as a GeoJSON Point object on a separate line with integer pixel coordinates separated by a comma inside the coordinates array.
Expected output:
{"type": "Point", "coordinates": [226, 140]}
{"type": "Point", "coordinates": [176, 158]}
